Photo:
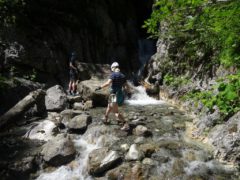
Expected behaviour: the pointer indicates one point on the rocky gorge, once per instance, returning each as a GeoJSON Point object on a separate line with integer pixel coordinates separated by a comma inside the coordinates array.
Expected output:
{"type": "Point", "coordinates": [189, 130]}
{"type": "Point", "coordinates": [71, 141]}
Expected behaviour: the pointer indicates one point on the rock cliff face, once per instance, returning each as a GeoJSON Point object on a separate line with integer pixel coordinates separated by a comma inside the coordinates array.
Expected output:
{"type": "Point", "coordinates": [46, 32]}
{"type": "Point", "coordinates": [174, 82]}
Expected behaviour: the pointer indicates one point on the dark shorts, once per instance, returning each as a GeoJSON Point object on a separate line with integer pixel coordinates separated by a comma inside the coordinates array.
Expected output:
{"type": "Point", "coordinates": [73, 76]}
{"type": "Point", "coordinates": [117, 97]}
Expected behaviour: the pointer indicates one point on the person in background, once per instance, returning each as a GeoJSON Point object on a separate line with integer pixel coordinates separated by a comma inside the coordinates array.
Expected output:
{"type": "Point", "coordinates": [117, 81]}
{"type": "Point", "coordinates": [72, 86]}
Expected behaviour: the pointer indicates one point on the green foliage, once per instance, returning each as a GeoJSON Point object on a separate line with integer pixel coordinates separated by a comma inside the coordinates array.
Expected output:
{"type": "Point", "coordinates": [10, 10]}
{"type": "Point", "coordinates": [225, 95]}
{"type": "Point", "coordinates": [2, 83]}
{"type": "Point", "coordinates": [175, 82]}
{"type": "Point", "coordinates": [199, 25]}
{"type": "Point", "coordinates": [31, 76]}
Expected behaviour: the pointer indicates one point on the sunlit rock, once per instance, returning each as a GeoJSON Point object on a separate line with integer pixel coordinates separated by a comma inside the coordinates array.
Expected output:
{"type": "Point", "coordinates": [134, 153]}
{"type": "Point", "coordinates": [79, 123]}
{"type": "Point", "coordinates": [148, 161]}
{"type": "Point", "coordinates": [55, 99]}
{"type": "Point", "coordinates": [42, 131]}
{"type": "Point", "coordinates": [78, 106]}
{"type": "Point", "coordinates": [148, 149]}
{"type": "Point", "coordinates": [101, 160]}
{"type": "Point", "coordinates": [125, 147]}
{"type": "Point", "coordinates": [141, 130]}
{"type": "Point", "coordinates": [225, 138]}
{"type": "Point", "coordinates": [87, 90]}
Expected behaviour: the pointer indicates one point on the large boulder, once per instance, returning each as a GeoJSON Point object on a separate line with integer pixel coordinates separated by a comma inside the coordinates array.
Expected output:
{"type": "Point", "coordinates": [101, 160]}
{"type": "Point", "coordinates": [226, 138]}
{"type": "Point", "coordinates": [59, 150]}
{"type": "Point", "coordinates": [42, 131]}
{"type": "Point", "coordinates": [68, 114]}
{"type": "Point", "coordinates": [87, 91]}
{"type": "Point", "coordinates": [56, 99]}
{"type": "Point", "coordinates": [79, 123]}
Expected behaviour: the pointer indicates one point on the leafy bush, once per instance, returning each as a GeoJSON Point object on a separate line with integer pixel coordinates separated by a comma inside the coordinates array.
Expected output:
{"type": "Point", "coordinates": [225, 95]}
{"type": "Point", "coordinates": [200, 25]}
{"type": "Point", "coordinates": [10, 10]}
{"type": "Point", "coordinates": [175, 82]}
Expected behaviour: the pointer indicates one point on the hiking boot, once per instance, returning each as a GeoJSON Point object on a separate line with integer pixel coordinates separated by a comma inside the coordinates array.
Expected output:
{"type": "Point", "coordinates": [69, 93]}
{"type": "Point", "coordinates": [125, 127]}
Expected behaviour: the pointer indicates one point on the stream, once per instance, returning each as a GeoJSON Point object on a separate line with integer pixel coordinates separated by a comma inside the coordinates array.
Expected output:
{"type": "Point", "coordinates": [167, 152]}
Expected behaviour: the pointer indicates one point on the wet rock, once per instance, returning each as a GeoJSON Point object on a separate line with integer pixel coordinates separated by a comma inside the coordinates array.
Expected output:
{"type": "Point", "coordinates": [179, 126]}
{"type": "Point", "coordinates": [73, 99]}
{"type": "Point", "coordinates": [88, 105]}
{"type": "Point", "coordinates": [148, 161]}
{"type": "Point", "coordinates": [23, 168]}
{"type": "Point", "coordinates": [197, 168]}
{"type": "Point", "coordinates": [127, 172]}
{"type": "Point", "coordinates": [139, 140]}
{"type": "Point", "coordinates": [68, 114]}
{"type": "Point", "coordinates": [120, 173]}
{"type": "Point", "coordinates": [162, 156]}
{"type": "Point", "coordinates": [141, 130]}
{"type": "Point", "coordinates": [59, 150]}
{"type": "Point", "coordinates": [79, 123]}
{"type": "Point", "coordinates": [178, 167]}
{"type": "Point", "coordinates": [208, 120]}
{"type": "Point", "coordinates": [125, 147]}
{"type": "Point", "coordinates": [56, 99]}
{"type": "Point", "coordinates": [101, 160]}
{"type": "Point", "coordinates": [83, 105]}
{"type": "Point", "coordinates": [134, 153]}
{"type": "Point", "coordinates": [78, 106]}
{"type": "Point", "coordinates": [41, 131]}
{"type": "Point", "coordinates": [148, 149]}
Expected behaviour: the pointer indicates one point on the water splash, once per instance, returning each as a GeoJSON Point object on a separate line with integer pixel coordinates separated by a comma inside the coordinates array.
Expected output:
{"type": "Point", "coordinates": [76, 169]}
{"type": "Point", "coordinates": [140, 97]}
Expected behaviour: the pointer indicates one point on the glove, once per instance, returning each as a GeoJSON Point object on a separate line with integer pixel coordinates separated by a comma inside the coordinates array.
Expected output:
{"type": "Point", "coordinates": [98, 88]}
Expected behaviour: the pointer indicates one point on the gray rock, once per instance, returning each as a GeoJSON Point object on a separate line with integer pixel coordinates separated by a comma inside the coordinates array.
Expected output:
{"type": "Point", "coordinates": [59, 150]}
{"type": "Point", "coordinates": [141, 130]}
{"type": "Point", "coordinates": [101, 160]}
{"type": "Point", "coordinates": [73, 99]}
{"type": "Point", "coordinates": [226, 138]}
{"type": "Point", "coordinates": [87, 91]}
{"type": "Point", "coordinates": [79, 123]}
{"type": "Point", "coordinates": [78, 106]}
{"type": "Point", "coordinates": [55, 99]}
{"type": "Point", "coordinates": [23, 167]}
{"type": "Point", "coordinates": [134, 153]}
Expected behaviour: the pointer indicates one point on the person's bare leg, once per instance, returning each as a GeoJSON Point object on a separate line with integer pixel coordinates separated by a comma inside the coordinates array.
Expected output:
{"type": "Point", "coordinates": [74, 87]}
{"type": "Point", "coordinates": [70, 86]}
{"type": "Point", "coordinates": [120, 117]}
{"type": "Point", "coordinates": [108, 110]}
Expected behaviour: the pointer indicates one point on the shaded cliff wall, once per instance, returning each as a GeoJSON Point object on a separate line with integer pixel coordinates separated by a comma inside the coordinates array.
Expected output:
{"type": "Point", "coordinates": [46, 32]}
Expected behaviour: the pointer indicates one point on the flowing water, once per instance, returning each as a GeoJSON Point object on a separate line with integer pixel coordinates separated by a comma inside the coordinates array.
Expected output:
{"type": "Point", "coordinates": [174, 156]}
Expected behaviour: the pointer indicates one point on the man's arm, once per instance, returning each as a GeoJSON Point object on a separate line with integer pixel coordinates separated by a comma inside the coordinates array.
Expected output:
{"type": "Point", "coordinates": [72, 66]}
{"type": "Point", "coordinates": [109, 81]}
